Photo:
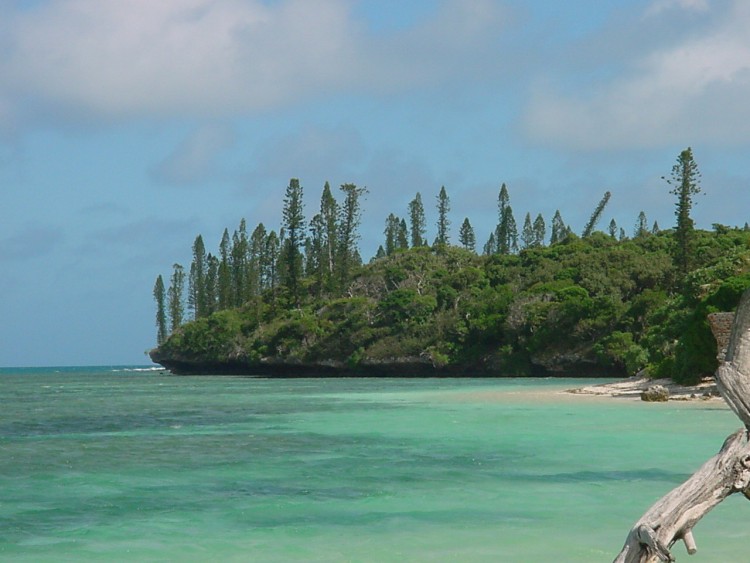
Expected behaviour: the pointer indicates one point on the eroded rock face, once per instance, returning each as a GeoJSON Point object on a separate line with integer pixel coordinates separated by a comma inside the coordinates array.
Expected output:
{"type": "Point", "coordinates": [721, 327]}
{"type": "Point", "coordinates": [655, 394]}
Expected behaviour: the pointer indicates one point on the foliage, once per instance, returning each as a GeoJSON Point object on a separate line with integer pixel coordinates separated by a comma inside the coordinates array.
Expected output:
{"type": "Point", "coordinates": [685, 183]}
{"type": "Point", "coordinates": [301, 294]}
{"type": "Point", "coordinates": [443, 207]}
{"type": "Point", "coordinates": [161, 315]}
{"type": "Point", "coordinates": [466, 236]}
{"type": "Point", "coordinates": [417, 221]}
{"type": "Point", "coordinates": [596, 301]}
{"type": "Point", "coordinates": [294, 223]}
{"type": "Point", "coordinates": [596, 215]}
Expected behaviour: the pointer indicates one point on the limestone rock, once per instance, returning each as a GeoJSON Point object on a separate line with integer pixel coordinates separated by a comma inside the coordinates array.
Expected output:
{"type": "Point", "coordinates": [655, 394]}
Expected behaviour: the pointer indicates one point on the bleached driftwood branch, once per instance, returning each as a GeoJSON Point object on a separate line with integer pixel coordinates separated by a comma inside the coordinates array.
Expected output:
{"type": "Point", "coordinates": [675, 515]}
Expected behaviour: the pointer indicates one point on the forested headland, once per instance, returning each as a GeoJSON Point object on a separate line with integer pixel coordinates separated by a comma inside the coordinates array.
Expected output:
{"type": "Point", "coordinates": [537, 299]}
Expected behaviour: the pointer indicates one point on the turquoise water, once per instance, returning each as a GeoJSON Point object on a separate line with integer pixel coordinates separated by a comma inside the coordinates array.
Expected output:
{"type": "Point", "coordinates": [108, 464]}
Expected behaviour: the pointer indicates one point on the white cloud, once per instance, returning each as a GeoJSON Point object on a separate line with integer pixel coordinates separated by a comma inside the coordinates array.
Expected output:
{"type": "Point", "coordinates": [694, 91]}
{"type": "Point", "coordinates": [659, 6]}
{"type": "Point", "coordinates": [130, 58]}
{"type": "Point", "coordinates": [126, 57]}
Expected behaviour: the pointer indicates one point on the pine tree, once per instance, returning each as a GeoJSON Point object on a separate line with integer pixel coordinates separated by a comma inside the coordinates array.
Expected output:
{"type": "Point", "coordinates": [197, 298]}
{"type": "Point", "coordinates": [506, 236]}
{"type": "Point", "coordinates": [655, 228]}
{"type": "Point", "coordinates": [466, 236]}
{"type": "Point", "coordinates": [225, 290]}
{"type": "Point", "coordinates": [623, 236]}
{"type": "Point", "coordinates": [212, 284]}
{"type": "Point", "coordinates": [270, 260]}
{"type": "Point", "coordinates": [443, 223]}
{"type": "Point", "coordinates": [258, 259]}
{"type": "Point", "coordinates": [175, 298]}
{"type": "Point", "coordinates": [316, 255]}
{"type": "Point", "coordinates": [402, 237]}
{"type": "Point", "coordinates": [685, 183]}
{"type": "Point", "coordinates": [380, 253]}
{"type": "Point", "coordinates": [490, 247]}
{"type": "Point", "coordinates": [329, 214]}
{"type": "Point", "coordinates": [350, 218]}
{"type": "Point", "coordinates": [294, 224]}
{"type": "Point", "coordinates": [559, 230]}
{"type": "Point", "coordinates": [527, 233]}
{"type": "Point", "coordinates": [417, 221]}
{"type": "Point", "coordinates": [161, 316]}
{"type": "Point", "coordinates": [242, 278]}
{"type": "Point", "coordinates": [392, 225]}
{"type": "Point", "coordinates": [192, 296]}
{"type": "Point", "coordinates": [503, 201]}
{"type": "Point", "coordinates": [612, 228]}
{"type": "Point", "coordinates": [506, 232]}
{"type": "Point", "coordinates": [591, 225]}
{"type": "Point", "coordinates": [540, 230]}
{"type": "Point", "coordinates": [641, 226]}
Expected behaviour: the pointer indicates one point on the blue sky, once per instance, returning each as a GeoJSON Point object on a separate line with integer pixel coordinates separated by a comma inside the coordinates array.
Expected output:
{"type": "Point", "coordinates": [127, 127]}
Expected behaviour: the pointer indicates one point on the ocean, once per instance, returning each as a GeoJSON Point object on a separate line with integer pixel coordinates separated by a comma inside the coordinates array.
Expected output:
{"type": "Point", "coordinates": [132, 464]}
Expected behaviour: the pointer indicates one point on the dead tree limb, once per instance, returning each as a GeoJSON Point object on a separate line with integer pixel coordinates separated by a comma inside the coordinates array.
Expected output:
{"type": "Point", "coordinates": [675, 515]}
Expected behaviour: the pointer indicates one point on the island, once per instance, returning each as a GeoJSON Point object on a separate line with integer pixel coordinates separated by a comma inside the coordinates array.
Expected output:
{"type": "Point", "coordinates": [300, 301]}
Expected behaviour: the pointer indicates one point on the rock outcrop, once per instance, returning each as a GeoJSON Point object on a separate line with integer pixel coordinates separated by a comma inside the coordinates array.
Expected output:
{"type": "Point", "coordinates": [655, 394]}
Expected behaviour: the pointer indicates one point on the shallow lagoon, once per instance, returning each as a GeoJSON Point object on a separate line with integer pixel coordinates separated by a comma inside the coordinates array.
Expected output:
{"type": "Point", "coordinates": [103, 464]}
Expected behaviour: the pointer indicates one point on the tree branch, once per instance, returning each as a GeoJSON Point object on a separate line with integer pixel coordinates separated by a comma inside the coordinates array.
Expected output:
{"type": "Point", "coordinates": [675, 515]}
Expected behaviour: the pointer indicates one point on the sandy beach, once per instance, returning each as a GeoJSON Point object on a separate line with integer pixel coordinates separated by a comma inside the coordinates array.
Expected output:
{"type": "Point", "coordinates": [634, 386]}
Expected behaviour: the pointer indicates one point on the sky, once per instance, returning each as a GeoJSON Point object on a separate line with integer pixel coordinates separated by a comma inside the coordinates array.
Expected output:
{"type": "Point", "coordinates": [128, 127]}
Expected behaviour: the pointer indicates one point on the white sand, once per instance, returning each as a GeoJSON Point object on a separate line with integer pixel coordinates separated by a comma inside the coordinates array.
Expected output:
{"type": "Point", "coordinates": [632, 387]}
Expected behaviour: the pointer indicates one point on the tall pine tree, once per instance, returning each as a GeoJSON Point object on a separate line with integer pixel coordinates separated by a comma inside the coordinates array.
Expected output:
{"type": "Point", "coordinates": [241, 276]}
{"type": "Point", "coordinates": [466, 236]}
{"type": "Point", "coordinates": [329, 214]}
{"type": "Point", "coordinates": [161, 315]}
{"type": "Point", "coordinates": [506, 233]}
{"type": "Point", "coordinates": [225, 290]}
{"type": "Point", "coordinates": [211, 284]}
{"type": "Point", "coordinates": [417, 221]}
{"type": "Point", "coordinates": [315, 256]}
{"type": "Point", "coordinates": [197, 295]}
{"type": "Point", "coordinates": [294, 224]}
{"type": "Point", "coordinates": [270, 260]}
{"type": "Point", "coordinates": [490, 247]}
{"type": "Point", "coordinates": [559, 230]}
{"type": "Point", "coordinates": [392, 225]}
{"type": "Point", "coordinates": [258, 260]}
{"type": "Point", "coordinates": [540, 230]}
{"type": "Point", "coordinates": [527, 233]}
{"type": "Point", "coordinates": [402, 238]}
{"type": "Point", "coordinates": [596, 215]}
{"type": "Point", "coordinates": [443, 223]}
{"type": "Point", "coordinates": [612, 229]}
{"type": "Point", "coordinates": [175, 298]}
{"type": "Point", "coordinates": [685, 183]}
{"type": "Point", "coordinates": [641, 226]}
{"type": "Point", "coordinates": [350, 218]}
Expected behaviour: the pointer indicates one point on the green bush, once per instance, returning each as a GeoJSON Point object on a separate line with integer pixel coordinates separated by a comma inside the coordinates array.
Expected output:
{"type": "Point", "coordinates": [619, 349]}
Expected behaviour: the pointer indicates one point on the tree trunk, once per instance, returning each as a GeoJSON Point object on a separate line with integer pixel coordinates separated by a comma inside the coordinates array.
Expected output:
{"type": "Point", "coordinates": [673, 517]}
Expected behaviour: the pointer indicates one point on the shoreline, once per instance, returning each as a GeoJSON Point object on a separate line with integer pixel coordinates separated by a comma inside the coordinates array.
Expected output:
{"type": "Point", "coordinates": [632, 388]}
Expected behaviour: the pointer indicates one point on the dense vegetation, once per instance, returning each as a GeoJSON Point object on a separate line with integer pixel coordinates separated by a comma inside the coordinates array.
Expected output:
{"type": "Point", "coordinates": [599, 303]}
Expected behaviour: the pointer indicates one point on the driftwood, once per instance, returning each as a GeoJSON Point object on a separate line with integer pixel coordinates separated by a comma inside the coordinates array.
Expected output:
{"type": "Point", "coordinates": [675, 515]}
